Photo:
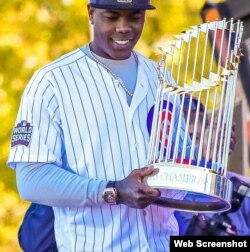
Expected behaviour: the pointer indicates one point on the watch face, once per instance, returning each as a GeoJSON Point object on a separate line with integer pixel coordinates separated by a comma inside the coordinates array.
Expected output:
{"type": "Point", "coordinates": [110, 195]}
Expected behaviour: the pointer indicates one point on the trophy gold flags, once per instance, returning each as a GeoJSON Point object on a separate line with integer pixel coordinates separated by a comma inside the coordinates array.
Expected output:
{"type": "Point", "coordinates": [190, 124]}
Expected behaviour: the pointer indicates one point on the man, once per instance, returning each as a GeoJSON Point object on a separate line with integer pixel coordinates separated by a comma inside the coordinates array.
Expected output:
{"type": "Point", "coordinates": [81, 138]}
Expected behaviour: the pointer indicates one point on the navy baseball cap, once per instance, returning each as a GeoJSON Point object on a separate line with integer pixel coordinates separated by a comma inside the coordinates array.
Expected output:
{"type": "Point", "coordinates": [122, 4]}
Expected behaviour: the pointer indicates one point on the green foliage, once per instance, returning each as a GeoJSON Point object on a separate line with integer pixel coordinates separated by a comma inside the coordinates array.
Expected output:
{"type": "Point", "coordinates": [32, 34]}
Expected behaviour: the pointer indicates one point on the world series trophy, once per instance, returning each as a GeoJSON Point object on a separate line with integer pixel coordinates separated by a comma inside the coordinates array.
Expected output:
{"type": "Point", "coordinates": [191, 122]}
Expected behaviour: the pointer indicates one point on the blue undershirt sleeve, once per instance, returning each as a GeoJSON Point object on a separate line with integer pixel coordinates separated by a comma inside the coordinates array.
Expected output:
{"type": "Point", "coordinates": [50, 185]}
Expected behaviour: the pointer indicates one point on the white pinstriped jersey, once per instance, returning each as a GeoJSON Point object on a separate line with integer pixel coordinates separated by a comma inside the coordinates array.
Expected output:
{"type": "Point", "coordinates": [76, 116]}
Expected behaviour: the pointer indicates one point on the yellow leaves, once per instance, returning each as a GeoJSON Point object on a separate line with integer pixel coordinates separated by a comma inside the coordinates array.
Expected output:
{"type": "Point", "coordinates": [8, 200]}
{"type": "Point", "coordinates": [11, 213]}
{"type": "Point", "coordinates": [13, 40]}
{"type": "Point", "coordinates": [43, 15]}
{"type": "Point", "coordinates": [4, 108]}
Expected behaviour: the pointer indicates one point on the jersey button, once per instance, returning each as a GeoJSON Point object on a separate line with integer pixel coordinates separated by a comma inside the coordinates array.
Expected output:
{"type": "Point", "coordinates": [136, 145]}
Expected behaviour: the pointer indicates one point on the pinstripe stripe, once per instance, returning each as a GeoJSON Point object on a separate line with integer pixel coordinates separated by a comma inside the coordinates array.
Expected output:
{"type": "Point", "coordinates": [82, 122]}
{"type": "Point", "coordinates": [99, 98]}
{"type": "Point", "coordinates": [32, 108]}
{"type": "Point", "coordinates": [63, 110]}
{"type": "Point", "coordinates": [82, 106]}
{"type": "Point", "coordinates": [123, 117]}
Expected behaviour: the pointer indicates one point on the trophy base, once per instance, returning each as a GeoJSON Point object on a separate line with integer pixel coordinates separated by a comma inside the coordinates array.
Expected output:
{"type": "Point", "coordinates": [202, 189]}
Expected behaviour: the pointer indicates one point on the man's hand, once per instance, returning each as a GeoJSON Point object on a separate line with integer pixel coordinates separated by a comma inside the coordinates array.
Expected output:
{"type": "Point", "coordinates": [133, 190]}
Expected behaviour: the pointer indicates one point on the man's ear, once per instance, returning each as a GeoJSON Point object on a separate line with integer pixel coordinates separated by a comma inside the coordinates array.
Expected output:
{"type": "Point", "coordinates": [90, 12]}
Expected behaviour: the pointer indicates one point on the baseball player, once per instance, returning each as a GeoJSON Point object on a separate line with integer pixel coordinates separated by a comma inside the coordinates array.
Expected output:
{"type": "Point", "coordinates": [80, 139]}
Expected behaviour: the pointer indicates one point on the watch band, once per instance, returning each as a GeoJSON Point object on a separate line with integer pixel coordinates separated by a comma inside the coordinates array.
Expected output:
{"type": "Point", "coordinates": [111, 184]}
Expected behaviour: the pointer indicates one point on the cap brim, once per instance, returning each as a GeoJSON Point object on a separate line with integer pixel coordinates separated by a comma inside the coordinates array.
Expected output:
{"type": "Point", "coordinates": [125, 7]}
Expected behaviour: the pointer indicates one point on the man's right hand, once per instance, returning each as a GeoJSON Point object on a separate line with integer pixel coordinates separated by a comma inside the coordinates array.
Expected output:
{"type": "Point", "coordinates": [134, 191]}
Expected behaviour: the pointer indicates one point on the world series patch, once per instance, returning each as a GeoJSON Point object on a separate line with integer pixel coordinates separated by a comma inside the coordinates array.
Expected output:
{"type": "Point", "coordinates": [22, 134]}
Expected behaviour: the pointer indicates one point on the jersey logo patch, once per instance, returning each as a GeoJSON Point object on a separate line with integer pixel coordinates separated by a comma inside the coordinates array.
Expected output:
{"type": "Point", "coordinates": [22, 134]}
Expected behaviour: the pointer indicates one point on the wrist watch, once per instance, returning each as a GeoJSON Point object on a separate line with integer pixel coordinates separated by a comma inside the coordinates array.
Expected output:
{"type": "Point", "coordinates": [110, 194]}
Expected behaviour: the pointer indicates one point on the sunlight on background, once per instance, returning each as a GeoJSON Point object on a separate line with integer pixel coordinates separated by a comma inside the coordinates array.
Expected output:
{"type": "Point", "coordinates": [32, 34]}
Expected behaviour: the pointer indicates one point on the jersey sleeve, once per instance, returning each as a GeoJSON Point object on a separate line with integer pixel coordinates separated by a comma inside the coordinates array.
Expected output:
{"type": "Point", "coordinates": [36, 136]}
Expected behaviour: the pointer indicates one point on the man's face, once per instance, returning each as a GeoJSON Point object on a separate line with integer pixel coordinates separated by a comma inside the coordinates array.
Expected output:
{"type": "Point", "coordinates": [116, 32]}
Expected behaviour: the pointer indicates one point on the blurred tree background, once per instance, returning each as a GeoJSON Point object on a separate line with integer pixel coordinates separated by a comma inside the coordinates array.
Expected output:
{"type": "Point", "coordinates": [33, 33]}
